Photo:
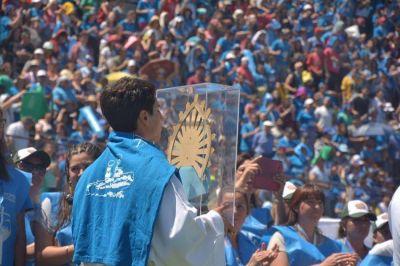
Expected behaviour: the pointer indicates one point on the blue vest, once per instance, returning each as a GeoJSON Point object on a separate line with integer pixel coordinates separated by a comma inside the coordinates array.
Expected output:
{"type": "Point", "coordinates": [116, 202]}
{"type": "Point", "coordinates": [241, 256]}
{"type": "Point", "coordinates": [376, 260]}
{"type": "Point", "coordinates": [64, 236]}
{"type": "Point", "coordinates": [301, 252]}
{"type": "Point", "coordinates": [256, 224]}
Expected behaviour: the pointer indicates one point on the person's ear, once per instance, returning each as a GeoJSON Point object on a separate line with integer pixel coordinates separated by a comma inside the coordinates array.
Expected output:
{"type": "Point", "coordinates": [144, 118]}
{"type": "Point", "coordinates": [144, 115]}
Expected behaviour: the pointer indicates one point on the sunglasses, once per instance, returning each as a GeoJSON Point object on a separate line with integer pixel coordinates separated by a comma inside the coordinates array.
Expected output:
{"type": "Point", "coordinates": [30, 167]}
{"type": "Point", "coordinates": [362, 219]}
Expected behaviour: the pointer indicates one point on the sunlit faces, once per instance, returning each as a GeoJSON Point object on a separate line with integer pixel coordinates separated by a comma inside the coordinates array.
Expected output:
{"type": "Point", "coordinates": [241, 168]}
{"type": "Point", "coordinates": [311, 208]}
{"type": "Point", "coordinates": [357, 228]}
{"type": "Point", "coordinates": [240, 210]}
{"type": "Point", "coordinates": [35, 166]}
{"type": "Point", "coordinates": [77, 164]}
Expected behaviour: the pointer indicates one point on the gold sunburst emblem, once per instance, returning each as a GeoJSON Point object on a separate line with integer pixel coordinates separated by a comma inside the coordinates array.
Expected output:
{"type": "Point", "coordinates": [190, 143]}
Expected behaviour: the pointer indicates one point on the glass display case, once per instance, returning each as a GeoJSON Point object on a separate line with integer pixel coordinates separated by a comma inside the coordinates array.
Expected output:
{"type": "Point", "coordinates": [200, 137]}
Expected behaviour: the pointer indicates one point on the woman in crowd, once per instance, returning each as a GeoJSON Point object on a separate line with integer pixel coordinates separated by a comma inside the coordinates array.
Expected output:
{"type": "Point", "coordinates": [239, 250]}
{"type": "Point", "coordinates": [14, 201]}
{"type": "Point", "coordinates": [55, 247]}
{"type": "Point", "coordinates": [354, 227]}
{"type": "Point", "coordinates": [300, 242]}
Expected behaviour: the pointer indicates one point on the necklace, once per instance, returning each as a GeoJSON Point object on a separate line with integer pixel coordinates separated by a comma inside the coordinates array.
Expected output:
{"type": "Point", "coordinates": [303, 234]}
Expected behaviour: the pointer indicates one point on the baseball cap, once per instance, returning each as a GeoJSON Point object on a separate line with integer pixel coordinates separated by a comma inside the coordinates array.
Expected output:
{"type": "Point", "coordinates": [343, 148]}
{"type": "Point", "coordinates": [230, 56]}
{"type": "Point", "coordinates": [48, 46]}
{"type": "Point", "coordinates": [268, 123]}
{"type": "Point", "coordinates": [288, 190]}
{"type": "Point", "coordinates": [356, 160]}
{"type": "Point", "coordinates": [63, 78]}
{"type": "Point", "coordinates": [26, 153]}
{"type": "Point", "coordinates": [41, 73]}
{"type": "Point", "coordinates": [237, 13]}
{"type": "Point", "coordinates": [381, 220]}
{"type": "Point", "coordinates": [356, 209]}
{"type": "Point", "coordinates": [309, 101]}
{"type": "Point", "coordinates": [38, 51]}
{"type": "Point", "coordinates": [307, 7]}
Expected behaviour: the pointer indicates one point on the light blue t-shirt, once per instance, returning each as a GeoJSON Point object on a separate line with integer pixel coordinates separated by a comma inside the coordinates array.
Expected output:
{"type": "Point", "coordinates": [14, 199]}
{"type": "Point", "coordinates": [64, 95]}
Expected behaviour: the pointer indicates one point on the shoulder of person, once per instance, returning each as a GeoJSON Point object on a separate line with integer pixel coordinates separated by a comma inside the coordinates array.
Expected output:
{"type": "Point", "coordinates": [383, 249]}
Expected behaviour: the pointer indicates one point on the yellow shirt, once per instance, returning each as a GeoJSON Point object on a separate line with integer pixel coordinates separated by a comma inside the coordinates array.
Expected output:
{"type": "Point", "coordinates": [346, 87]}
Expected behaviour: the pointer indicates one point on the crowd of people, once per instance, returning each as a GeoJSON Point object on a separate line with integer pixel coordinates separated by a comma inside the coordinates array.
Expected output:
{"type": "Point", "coordinates": [319, 85]}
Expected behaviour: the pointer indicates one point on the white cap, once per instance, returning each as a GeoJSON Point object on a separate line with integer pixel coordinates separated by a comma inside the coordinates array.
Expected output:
{"type": "Point", "coordinates": [25, 153]}
{"type": "Point", "coordinates": [268, 123]}
{"type": "Point", "coordinates": [36, 1]}
{"type": "Point", "coordinates": [356, 209]}
{"type": "Point", "coordinates": [356, 160]}
{"type": "Point", "coordinates": [41, 73]}
{"type": "Point", "coordinates": [179, 19]}
{"type": "Point", "coordinates": [343, 148]}
{"type": "Point", "coordinates": [63, 78]}
{"type": "Point", "coordinates": [131, 63]}
{"type": "Point", "coordinates": [381, 220]}
{"type": "Point", "coordinates": [307, 7]}
{"type": "Point", "coordinates": [38, 51]}
{"type": "Point", "coordinates": [237, 12]}
{"type": "Point", "coordinates": [309, 101]}
{"type": "Point", "coordinates": [230, 56]}
{"type": "Point", "coordinates": [48, 46]}
{"type": "Point", "coordinates": [288, 190]}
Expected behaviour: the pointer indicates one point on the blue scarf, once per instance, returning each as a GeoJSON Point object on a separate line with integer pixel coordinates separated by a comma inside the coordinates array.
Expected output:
{"type": "Point", "coordinates": [301, 252]}
{"type": "Point", "coordinates": [116, 202]}
{"type": "Point", "coordinates": [377, 260]}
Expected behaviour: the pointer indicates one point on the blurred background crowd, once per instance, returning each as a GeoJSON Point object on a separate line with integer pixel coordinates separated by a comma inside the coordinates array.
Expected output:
{"type": "Point", "coordinates": [319, 80]}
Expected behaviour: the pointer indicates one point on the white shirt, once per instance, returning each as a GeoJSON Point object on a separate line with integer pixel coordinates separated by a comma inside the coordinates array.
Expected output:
{"type": "Point", "coordinates": [181, 237]}
{"type": "Point", "coordinates": [324, 116]}
{"type": "Point", "coordinates": [394, 223]}
{"type": "Point", "coordinates": [383, 249]}
{"type": "Point", "coordinates": [19, 135]}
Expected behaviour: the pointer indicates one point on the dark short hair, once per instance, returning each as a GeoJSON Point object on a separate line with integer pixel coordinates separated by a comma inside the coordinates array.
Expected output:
{"type": "Point", "coordinates": [122, 102]}
{"type": "Point", "coordinates": [301, 194]}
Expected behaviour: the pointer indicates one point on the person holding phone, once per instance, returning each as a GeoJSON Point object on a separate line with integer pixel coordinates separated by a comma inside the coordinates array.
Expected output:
{"type": "Point", "coordinates": [300, 242]}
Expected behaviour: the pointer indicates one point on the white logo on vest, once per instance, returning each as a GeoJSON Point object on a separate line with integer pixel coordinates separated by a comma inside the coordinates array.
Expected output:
{"type": "Point", "coordinates": [114, 183]}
